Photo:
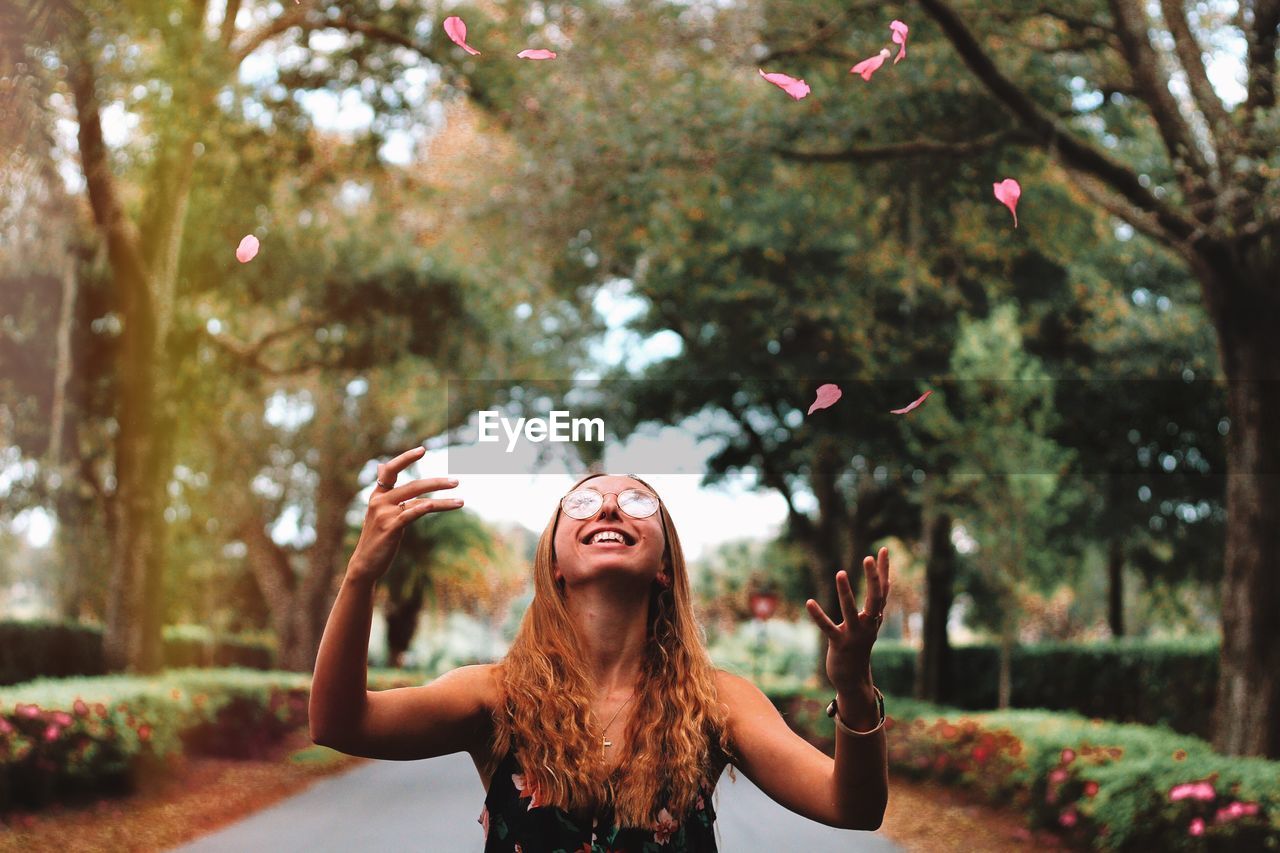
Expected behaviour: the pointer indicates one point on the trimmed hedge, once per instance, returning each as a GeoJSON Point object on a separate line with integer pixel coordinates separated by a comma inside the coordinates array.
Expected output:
{"type": "Point", "coordinates": [60, 738]}
{"type": "Point", "coordinates": [1152, 682]}
{"type": "Point", "coordinates": [1102, 786]}
{"type": "Point", "coordinates": [50, 649]}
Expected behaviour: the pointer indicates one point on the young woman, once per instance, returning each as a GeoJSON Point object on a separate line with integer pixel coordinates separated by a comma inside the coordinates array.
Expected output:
{"type": "Point", "coordinates": [605, 727]}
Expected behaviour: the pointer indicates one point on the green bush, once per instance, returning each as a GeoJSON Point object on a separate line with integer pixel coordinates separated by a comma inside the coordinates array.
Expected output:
{"type": "Point", "coordinates": [46, 648]}
{"type": "Point", "coordinates": [1153, 682]}
{"type": "Point", "coordinates": [53, 649]}
{"type": "Point", "coordinates": [1108, 786]}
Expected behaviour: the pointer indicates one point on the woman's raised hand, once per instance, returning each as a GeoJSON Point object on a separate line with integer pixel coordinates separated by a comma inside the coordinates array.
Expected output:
{"type": "Point", "coordinates": [391, 510]}
{"type": "Point", "coordinates": [849, 643]}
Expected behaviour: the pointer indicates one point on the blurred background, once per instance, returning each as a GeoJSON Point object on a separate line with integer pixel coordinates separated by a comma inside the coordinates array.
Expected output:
{"type": "Point", "coordinates": [187, 442]}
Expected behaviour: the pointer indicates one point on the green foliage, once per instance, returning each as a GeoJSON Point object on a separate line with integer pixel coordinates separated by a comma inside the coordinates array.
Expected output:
{"type": "Point", "coordinates": [68, 736]}
{"type": "Point", "coordinates": [31, 649]}
{"type": "Point", "coordinates": [1104, 786]}
{"type": "Point", "coordinates": [37, 649]}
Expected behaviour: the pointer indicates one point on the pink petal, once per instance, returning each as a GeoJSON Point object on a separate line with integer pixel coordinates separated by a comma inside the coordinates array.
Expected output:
{"type": "Point", "coordinates": [908, 408]}
{"type": "Point", "coordinates": [457, 33]}
{"type": "Point", "coordinates": [247, 249]}
{"type": "Point", "coordinates": [900, 31]}
{"type": "Point", "coordinates": [867, 67]}
{"type": "Point", "coordinates": [1008, 192]}
{"type": "Point", "coordinates": [537, 53]}
{"type": "Point", "coordinates": [827, 396]}
{"type": "Point", "coordinates": [793, 87]}
{"type": "Point", "coordinates": [1196, 827]}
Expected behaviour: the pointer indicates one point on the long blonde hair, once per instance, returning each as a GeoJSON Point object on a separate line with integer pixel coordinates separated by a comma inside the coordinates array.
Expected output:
{"type": "Point", "coordinates": [678, 723]}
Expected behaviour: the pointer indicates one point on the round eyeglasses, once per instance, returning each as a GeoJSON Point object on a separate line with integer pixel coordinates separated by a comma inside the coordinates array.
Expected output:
{"type": "Point", "coordinates": [584, 503]}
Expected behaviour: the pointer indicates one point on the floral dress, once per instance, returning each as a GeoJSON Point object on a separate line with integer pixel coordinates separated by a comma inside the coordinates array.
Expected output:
{"type": "Point", "coordinates": [515, 821]}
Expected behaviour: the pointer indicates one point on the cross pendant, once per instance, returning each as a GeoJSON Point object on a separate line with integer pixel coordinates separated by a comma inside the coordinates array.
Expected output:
{"type": "Point", "coordinates": [607, 742]}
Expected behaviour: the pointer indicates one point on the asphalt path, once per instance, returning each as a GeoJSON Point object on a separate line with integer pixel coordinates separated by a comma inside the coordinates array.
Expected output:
{"type": "Point", "coordinates": [433, 805]}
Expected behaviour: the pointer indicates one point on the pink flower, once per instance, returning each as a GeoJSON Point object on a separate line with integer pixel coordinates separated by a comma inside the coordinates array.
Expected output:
{"type": "Point", "coordinates": [1008, 192]}
{"type": "Point", "coordinates": [81, 709]}
{"type": "Point", "coordinates": [456, 30]}
{"type": "Point", "coordinates": [62, 718]}
{"type": "Point", "coordinates": [900, 31]}
{"type": "Point", "coordinates": [1196, 827]}
{"type": "Point", "coordinates": [28, 711]}
{"type": "Point", "coordinates": [867, 67]}
{"type": "Point", "coordinates": [5, 727]}
{"type": "Point", "coordinates": [793, 87]}
{"type": "Point", "coordinates": [827, 396]}
{"type": "Point", "coordinates": [1192, 791]}
{"type": "Point", "coordinates": [51, 733]}
{"type": "Point", "coordinates": [1058, 776]}
{"type": "Point", "coordinates": [1235, 810]}
{"type": "Point", "coordinates": [1090, 788]}
{"type": "Point", "coordinates": [1068, 818]}
{"type": "Point", "coordinates": [1068, 755]}
{"type": "Point", "coordinates": [144, 733]}
{"type": "Point", "coordinates": [665, 827]}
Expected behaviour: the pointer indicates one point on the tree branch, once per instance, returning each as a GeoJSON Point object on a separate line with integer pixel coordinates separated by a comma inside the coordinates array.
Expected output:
{"type": "Point", "coordinates": [1262, 39]}
{"type": "Point", "coordinates": [228, 33]}
{"type": "Point", "coordinates": [1191, 58]}
{"type": "Point", "coordinates": [122, 240]}
{"type": "Point", "coordinates": [1076, 153]}
{"type": "Point", "coordinates": [1132, 25]}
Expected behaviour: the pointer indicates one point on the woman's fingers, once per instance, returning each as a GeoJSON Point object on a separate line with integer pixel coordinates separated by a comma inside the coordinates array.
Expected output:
{"type": "Point", "coordinates": [418, 507]}
{"type": "Point", "coordinates": [873, 586]}
{"type": "Point", "coordinates": [388, 471]}
{"type": "Point", "coordinates": [820, 616]}
{"type": "Point", "coordinates": [413, 488]}
{"type": "Point", "coordinates": [844, 589]}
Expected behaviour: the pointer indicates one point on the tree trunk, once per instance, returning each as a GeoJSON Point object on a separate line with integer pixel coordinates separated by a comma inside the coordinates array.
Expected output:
{"type": "Point", "coordinates": [1115, 586]}
{"type": "Point", "coordinates": [827, 545]}
{"type": "Point", "coordinates": [402, 621]}
{"type": "Point", "coordinates": [939, 579]}
{"type": "Point", "coordinates": [139, 489]}
{"type": "Point", "coordinates": [1246, 312]}
{"type": "Point", "coordinates": [1005, 689]}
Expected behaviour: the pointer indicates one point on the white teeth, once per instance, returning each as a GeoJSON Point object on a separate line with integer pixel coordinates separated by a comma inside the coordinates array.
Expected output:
{"type": "Point", "coordinates": [608, 536]}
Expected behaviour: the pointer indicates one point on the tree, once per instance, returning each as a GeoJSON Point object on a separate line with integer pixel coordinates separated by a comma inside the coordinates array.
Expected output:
{"type": "Point", "coordinates": [176, 66]}
{"type": "Point", "coordinates": [1092, 85]}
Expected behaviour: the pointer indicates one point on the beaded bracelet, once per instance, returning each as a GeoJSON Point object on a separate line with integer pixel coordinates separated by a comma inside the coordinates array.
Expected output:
{"type": "Point", "coordinates": [831, 712]}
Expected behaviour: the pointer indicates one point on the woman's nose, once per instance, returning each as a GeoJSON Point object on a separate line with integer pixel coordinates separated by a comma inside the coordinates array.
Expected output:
{"type": "Point", "coordinates": [609, 506]}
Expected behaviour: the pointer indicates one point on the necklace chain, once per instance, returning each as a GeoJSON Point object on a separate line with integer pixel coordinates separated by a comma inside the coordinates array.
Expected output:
{"type": "Point", "coordinates": [604, 739]}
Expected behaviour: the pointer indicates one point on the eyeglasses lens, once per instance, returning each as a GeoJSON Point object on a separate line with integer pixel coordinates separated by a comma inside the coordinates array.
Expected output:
{"type": "Point", "coordinates": [585, 503]}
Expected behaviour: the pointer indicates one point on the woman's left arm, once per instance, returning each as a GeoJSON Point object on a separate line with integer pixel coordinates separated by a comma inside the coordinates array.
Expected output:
{"type": "Point", "coordinates": [861, 760]}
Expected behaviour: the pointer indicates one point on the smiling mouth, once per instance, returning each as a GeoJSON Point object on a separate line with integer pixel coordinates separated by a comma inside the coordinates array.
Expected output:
{"type": "Point", "coordinates": [608, 537]}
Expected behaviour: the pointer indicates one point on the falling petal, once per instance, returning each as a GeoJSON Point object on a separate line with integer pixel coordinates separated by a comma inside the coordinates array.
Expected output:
{"type": "Point", "coordinates": [457, 33]}
{"type": "Point", "coordinates": [537, 53]}
{"type": "Point", "coordinates": [900, 31]}
{"type": "Point", "coordinates": [827, 396]}
{"type": "Point", "coordinates": [867, 67]}
{"type": "Point", "coordinates": [1008, 192]}
{"type": "Point", "coordinates": [906, 409]}
{"type": "Point", "coordinates": [247, 249]}
{"type": "Point", "coordinates": [793, 87]}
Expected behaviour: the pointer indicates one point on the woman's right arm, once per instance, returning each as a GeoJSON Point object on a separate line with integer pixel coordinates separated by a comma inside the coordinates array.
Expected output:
{"type": "Point", "coordinates": [407, 723]}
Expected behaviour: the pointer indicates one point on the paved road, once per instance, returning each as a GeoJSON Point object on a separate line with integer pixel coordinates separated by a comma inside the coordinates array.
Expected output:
{"type": "Point", "coordinates": [433, 805]}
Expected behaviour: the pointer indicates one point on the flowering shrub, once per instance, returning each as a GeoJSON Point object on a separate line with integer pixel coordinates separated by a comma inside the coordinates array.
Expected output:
{"type": "Point", "coordinates": [60, 736]}
{"type": "Point", "coordinates": [1105, 786]}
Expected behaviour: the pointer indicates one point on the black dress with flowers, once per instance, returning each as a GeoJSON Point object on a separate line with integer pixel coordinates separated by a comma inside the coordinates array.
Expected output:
{"type": "Point", "coordinates": [515, 822]}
